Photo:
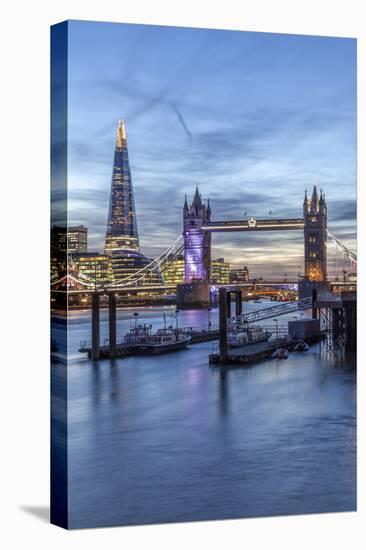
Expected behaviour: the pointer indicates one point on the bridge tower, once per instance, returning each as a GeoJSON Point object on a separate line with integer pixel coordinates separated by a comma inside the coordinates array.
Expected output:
{"type": "Point", "coordinates": [197, 244]}
{"type": "Point", "coordinates": [315, 237]}
{"type": "Point", "coordinates": [194, 292]}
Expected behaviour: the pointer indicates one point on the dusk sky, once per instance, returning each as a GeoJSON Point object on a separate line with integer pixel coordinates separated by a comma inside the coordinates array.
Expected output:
{"type": "Point", "coordinates": [252, 118]}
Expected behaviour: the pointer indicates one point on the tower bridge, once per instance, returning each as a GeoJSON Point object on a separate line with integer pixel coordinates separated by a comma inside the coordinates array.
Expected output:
{"type": "Point", "coordinates": [198, 227]}
{"type": "Point", "coordinates": [195, 243]}
{"type": "Point", "coordinates": [131, 271]}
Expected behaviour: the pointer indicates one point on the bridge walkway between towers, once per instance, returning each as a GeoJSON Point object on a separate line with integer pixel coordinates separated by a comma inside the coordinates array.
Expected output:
{"type": "Point", "coordinates": [275, 311]}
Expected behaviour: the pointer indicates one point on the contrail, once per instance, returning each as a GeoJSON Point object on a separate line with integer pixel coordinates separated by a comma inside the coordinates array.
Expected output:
{"type": "Point", "coordinates": [182, 121]}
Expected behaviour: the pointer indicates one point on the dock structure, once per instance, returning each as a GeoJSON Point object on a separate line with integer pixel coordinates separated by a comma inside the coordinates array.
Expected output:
{"type": "Point", "coordinates": [249, 353]}
{"type": "Point", "coordinates": [113, 348]}
{"type": "Point", "coordinates": [120, 349]}
{"type": "Point", "coordinates": [339, 313]}
{"type": "Point", "coordinates": [225, 314]}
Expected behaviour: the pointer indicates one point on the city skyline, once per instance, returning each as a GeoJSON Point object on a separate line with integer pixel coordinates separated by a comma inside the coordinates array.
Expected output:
{"type": "Point", "coordinates": [253, 120]}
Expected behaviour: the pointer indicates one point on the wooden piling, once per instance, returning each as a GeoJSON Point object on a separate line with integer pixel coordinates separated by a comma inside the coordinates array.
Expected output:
{"type": "Point", "coordinates": [238, 303]}
{"type": "Point", "coordinates": [223, 306]}
{"type": "Point", "coordinates": [112, 325]}
{"type": "Point", "coordinates": [95, 313]}
{"type": "Point", "coordinates": [228, 303]}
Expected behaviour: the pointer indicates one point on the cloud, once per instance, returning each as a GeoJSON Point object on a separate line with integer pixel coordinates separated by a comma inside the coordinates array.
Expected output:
{"type": "Point", "coordinates": [342, 210]}
{"type": "Point", "coordinates": [252, 118]}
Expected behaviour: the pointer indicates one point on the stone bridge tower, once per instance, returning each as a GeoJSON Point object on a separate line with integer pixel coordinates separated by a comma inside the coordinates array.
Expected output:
{"type": "Point", "coordinates": [315, 237]}
{"type": "Point", "coordinates": [195, 291]}
{"type": "Point", "coordinates": [197, 243]}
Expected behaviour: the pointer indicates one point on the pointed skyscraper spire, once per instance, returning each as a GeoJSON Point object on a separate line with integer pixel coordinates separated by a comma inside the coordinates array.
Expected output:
{"type": "Point", "coordinates": [121, 140]}
{"type": "Point", "coordinates": [122, 225]}
{"type": "Point", "coordinates": [306, 197]}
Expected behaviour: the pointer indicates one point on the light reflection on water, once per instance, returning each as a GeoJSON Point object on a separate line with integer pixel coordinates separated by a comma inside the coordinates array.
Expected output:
{"type": "Point", "coordinates": [170, 439]}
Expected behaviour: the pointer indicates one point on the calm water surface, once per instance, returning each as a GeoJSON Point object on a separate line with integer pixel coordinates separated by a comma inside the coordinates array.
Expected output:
{"type": "Point", "coordinates": [169, 439]}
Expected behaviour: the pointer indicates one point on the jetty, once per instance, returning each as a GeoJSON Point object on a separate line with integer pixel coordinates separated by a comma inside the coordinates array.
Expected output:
{"type": "Point", "coordinates": [123, 349]}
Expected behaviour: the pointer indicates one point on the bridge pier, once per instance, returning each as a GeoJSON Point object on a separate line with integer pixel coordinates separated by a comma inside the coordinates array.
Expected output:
{"type": "Point", "coordinates": [194, 295]}
{"type": "Point", "coordinates": [95, 332]}
{"type": "Point", "coordinates": [112, 325]}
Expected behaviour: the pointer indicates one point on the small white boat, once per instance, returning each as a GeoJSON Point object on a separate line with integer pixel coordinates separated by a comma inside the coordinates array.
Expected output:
{"type": "Point", "coordinates": [163, 340]}
{"type": "Point", "coordinates": [280, 353]}
{"type": "Point", "coordinates": [240, 335]}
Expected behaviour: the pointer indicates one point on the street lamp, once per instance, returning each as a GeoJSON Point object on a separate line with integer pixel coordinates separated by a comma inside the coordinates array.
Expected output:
{"type": "Point", "coordinates": [209, 318]}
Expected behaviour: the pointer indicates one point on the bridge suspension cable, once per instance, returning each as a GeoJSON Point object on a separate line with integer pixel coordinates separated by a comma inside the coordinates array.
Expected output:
{"type": "Point", "coordinates": [68, 276]}
{"type": "Point", "coordinates": [161, 262]}
{"type": "Point", "coordinates": [349, 253]}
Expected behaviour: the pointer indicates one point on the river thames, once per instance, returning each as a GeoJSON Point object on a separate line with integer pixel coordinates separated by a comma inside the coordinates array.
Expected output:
{"type": "Point", "coordinates": [168, 438]}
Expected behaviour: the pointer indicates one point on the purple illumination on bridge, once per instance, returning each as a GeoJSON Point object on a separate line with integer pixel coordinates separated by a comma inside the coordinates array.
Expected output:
{"type": "Point", "coordinates": [197, 245]}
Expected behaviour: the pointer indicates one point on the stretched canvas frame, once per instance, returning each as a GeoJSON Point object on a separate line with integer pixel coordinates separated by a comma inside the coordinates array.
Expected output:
{"type": "Point", "coordinates": [198, 225]}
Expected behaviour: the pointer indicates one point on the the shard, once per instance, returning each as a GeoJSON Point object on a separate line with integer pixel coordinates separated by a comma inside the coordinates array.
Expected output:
{"type": "Point", "coordinates": [122, 232]}
{"type": "Point", "coordinates": [122, 240]}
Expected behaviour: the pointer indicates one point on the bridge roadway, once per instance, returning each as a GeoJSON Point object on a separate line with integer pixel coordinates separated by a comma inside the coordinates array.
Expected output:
{"type": "Point", "coordinates": [126, 288]}
{"type": "Point", "coordinates": [151, 288]}
{"type": "Point", "coordinates": [254, 224]}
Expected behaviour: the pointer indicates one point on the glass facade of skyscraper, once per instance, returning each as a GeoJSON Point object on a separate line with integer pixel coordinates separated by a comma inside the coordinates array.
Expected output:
{"type": "Point", "coordinates": [122, 224]}
{"type": "Point", "coordinates": [122, 241]}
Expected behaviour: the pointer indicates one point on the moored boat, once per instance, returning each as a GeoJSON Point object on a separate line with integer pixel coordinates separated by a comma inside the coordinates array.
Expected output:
{"type": "Point", "coordinates": [164, 340]}
{"type": "Point", "coordinates": [242, 335]}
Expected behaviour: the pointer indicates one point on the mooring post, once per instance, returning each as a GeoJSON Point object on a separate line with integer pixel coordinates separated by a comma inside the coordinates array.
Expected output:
{"type": "Point", "coordinates": [228, 303]}
{"type": "Point", "coordinates": [95, 343]}
{"type": "Point", "coordinates": [112, 325]}
{"type": "Point", "coordinates": [314, 295]}
{"type": "Point", "coordinates": [238, 303]}
{"type": "Point", "coordinates": [223, 302]}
